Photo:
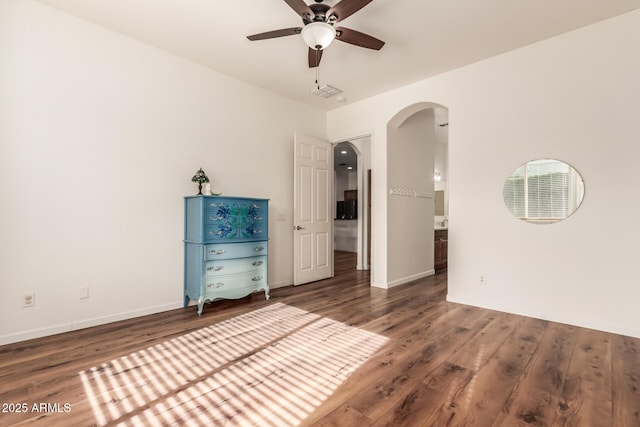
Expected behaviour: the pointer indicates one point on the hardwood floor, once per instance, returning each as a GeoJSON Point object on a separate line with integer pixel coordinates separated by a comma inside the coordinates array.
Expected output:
{"type": "Point", "coordinates": [330, 353]}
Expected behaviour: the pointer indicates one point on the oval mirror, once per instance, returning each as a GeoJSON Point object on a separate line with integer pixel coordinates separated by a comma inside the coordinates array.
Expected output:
{"type": "Point", "coordinates": [543, 191]}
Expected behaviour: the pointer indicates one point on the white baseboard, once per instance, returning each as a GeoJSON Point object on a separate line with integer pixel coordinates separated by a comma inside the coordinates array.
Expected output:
{"type": "Point", "coordinates": [580, 323]}
{"type": "Point", "coordinates": [84, 323]}
{"type": "Point", "coordinates": [101, 320]}
{"type": "Point", "coordinates": [280, 284]}
{"type": "Point", "coordinates": [403, 280]}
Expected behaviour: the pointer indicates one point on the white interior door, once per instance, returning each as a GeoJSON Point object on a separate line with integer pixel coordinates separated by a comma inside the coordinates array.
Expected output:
{"type": "Point", "coordinates": [312, 216]}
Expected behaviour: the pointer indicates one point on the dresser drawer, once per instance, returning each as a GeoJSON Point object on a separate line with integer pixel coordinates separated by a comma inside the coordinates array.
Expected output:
{"type": "Point", "coordinates": [229, 206]}
{"type": "Point", "coordinates": [235, 250]}
{"type": "Point", "coordinates": [233, 282]}
{"type": "Point", "coordinates": [230, 219]}
{"type": "Point", "coordinates": [233, 266]}
{"type": "Point", "coordinates": [228, 230]}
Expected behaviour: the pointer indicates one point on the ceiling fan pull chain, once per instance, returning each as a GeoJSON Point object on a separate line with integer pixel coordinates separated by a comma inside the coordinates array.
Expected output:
{"type": "Point", "coordinates": [317, 68]}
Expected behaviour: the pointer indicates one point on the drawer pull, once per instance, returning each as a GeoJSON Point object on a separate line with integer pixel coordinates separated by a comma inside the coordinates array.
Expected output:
{"type": "Point", "coordinates": [258, 231]}
{"type": "Point", "coordinates": [215, 285]}
{"type": "Point", "coordinates": [257, 206]}
{"type": "Point", "coordinates": [216, 218]}
{"type": "Point", "coordinates": [216, 251]}
{"type": "Point", "coordinates": [215, 268]}
{"type": "Point", "coordinates": [256, 278]}
{"type": "Point", "coordinates": [216, 205]}
{"type": "Point", "coordinates": [257, 263]}
{"type": "Point", "coordinates": [258, 248]}
{"type": "Point", "coordinates": [257, 218]}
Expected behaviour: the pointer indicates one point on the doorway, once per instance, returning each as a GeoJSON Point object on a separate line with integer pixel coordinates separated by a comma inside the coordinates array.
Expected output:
{"type": "Point", "coordinates": [345, 223]}
{"type": "Point", "coordinates": [352, 200]}
{"type": "Point", "coordinates": [417, 154]}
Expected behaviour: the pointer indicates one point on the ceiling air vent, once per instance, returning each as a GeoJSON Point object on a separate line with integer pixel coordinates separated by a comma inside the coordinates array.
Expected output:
{"type": "Point", "coordinates": [326, 91]}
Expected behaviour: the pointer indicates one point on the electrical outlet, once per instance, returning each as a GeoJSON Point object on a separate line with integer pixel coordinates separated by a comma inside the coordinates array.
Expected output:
{"type": "Point", "coordinates": [84, 292]}
{"type": "Point", "coordinates": [483, 280]}
{"type": "Point", "coordinates": [29, 300]}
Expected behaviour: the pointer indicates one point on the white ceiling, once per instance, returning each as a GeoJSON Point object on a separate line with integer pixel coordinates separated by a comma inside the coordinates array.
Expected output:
{"type": "Point", "coordinates": [344, 160]}
{"type": "Point", "coordinates": [423, 37]}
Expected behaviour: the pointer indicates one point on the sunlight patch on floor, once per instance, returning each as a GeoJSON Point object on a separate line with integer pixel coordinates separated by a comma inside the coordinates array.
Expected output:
{"type": "Point", "coordinates": [271, 367]}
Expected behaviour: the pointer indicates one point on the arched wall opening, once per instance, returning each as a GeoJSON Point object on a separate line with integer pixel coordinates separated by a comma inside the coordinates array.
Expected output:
{"type": "Point", "coordinates": [413, 143]}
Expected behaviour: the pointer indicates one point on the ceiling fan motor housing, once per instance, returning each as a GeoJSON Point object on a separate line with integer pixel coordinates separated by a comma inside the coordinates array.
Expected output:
{"type": "Point", "coordinates": [319, 13]}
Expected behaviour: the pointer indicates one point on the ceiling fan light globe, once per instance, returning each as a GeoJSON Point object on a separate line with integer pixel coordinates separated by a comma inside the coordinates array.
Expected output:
{"type": "Point", "coordinates": [318, 35]}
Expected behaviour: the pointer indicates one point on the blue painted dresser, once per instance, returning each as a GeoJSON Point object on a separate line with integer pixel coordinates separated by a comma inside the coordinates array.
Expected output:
{"type": "Point", "coordinates": [225, 248]}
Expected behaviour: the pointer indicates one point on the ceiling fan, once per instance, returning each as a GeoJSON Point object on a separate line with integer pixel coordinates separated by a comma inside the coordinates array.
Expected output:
{"type": "Point", "coordinates": [319, 31]}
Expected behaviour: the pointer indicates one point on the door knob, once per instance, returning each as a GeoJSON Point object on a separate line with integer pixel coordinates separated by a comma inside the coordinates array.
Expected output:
{"type": "Point", "coordinates": [298, 228]}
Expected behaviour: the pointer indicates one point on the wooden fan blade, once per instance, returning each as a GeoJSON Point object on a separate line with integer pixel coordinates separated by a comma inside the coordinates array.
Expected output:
{"type": "Point", "coordinates": [346, 8]}
{"type": "Point", "coordinates": [275, 33]}
{"type": "Point", "coordinates": [301, 8]}
{"type": "Point", "coordinates": [314, 57]}
{"type": "Point", "coordinates": [357, 38]}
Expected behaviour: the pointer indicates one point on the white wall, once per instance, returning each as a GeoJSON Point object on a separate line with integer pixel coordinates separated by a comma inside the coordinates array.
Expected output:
{"type": "Point", "coordinates": [440, 158]}
{"type": "Point", "coordinates": [573, 97]}
{"type": "Point", "coordinates": [410, 152]}
{"type": "Point", "coordinates": [99, 138]}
